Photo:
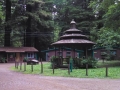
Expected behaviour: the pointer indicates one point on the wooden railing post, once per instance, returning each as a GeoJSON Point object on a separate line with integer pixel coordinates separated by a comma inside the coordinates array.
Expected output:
{"type": "Point", "coordinates": [32, 67]}
{"type": "Point", "coordinates": [69, 69]}
{"type": "Point", "coordinates": [15, 65]}
{"type": "Point", "coordinates": [41, 65]}
{"type": "Point", "coordinates": [86, 69]}
{"type": "Point", "coordinates": [20, 65]}
{"type": "Point", "coordinates": [53, 66]}
{"type": "Point", "coordinates": [24, 66]}
{"type": "Point", "coordinates": [106, 71]}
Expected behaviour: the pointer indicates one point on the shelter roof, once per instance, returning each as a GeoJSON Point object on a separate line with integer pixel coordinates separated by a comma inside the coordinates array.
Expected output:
{"type": "Point", "coordinates": [73, 36]}
{"type": "Point", "coordinates": [18, 49]}
{"type": "Point", "coordinates": [73, 30]}
{"type": "Point", "coordinates": [73, 41]}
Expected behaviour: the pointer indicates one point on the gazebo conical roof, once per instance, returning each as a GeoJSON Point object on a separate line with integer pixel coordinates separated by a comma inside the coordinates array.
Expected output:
{"type": "Point", "coordinates": [73, 36]}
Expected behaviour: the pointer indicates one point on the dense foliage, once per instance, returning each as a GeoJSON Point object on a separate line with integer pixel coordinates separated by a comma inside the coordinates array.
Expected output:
{"type": "Point", "coordinates": [38, 23]}
{"type": "Point", "coordinates": [107, 18]}
{"type": "Point", "coordinates": [2, 18]}
{"type": "Point", "coordinates": [74, 9]}
{"type": "Point", "coordinates": [26, 23]}
{"type": "Point", "coordinates": [82, 62]}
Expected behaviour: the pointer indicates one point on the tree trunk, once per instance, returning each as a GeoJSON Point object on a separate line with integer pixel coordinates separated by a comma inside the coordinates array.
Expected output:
{"type": "Point", "coordinates": [7, 27]}
{"type": "Point", "coordinates": [28, 34]}
{"type": "Point", "coordinates": [37, 46]}
{"type": "Point", "coordinates": [28, 29]}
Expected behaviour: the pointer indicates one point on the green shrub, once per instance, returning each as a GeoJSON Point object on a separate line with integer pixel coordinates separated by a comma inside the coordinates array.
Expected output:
{"type": "Point", "coordinates": [108, 57]}
{"type": "Point", "coordinates": [67, 60]}
{"type": "Point", "coordinates": [103, 53]}
{"type": "Point", "coordinates": [54, 60]}
{"type": "Point", "coordinates": [25, 59]}
{"type": "Point", "coordinates": [77, 62]}
{"type": "Point", "coordinates": [3, 60]}
{"type": "Point", "coordinates": [81, 63]}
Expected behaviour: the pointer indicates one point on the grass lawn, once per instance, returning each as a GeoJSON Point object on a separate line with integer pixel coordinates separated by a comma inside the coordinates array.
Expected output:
{"type": "Point", "coordinates": [113, 72]}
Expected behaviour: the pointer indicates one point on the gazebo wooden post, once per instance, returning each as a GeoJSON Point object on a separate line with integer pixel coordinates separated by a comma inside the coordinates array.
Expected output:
{"type": "Point", "coordinates": [55, 52]}
{"type": "Point", "coordinates": [59, 57]}
{"type": "Point", "coordinates": [71, 53]}
{"type": "Point", "coordinates": [86, 63]}
{"type": "Point", "coordinates": [92, 52]}
{"type": "Point", "coordinates": [54, 62]}
{"type": "Point", "coordinates": [86, 52]}
{"type": "Point", "coordinates": [74, 52]}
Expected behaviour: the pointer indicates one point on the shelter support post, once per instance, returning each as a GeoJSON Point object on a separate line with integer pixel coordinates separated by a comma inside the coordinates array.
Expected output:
{"type": "Point", "coordinates": [86, 53]}
{"type": "Point", "coordinates": [74, 52]}
{"type": "Point", "coordinates": [69, 68]}
{"type": "Point", "coordinates": [93, 53]}
{"type": "Point", "coordinates": [24, 66]}
{"type": "Point", "coordinates": [7, 57]}
{"type": "Point", "coordinates": [55, 52]}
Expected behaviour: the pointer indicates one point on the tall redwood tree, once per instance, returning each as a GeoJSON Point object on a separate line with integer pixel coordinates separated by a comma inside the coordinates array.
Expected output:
{"type": "Point", "coordinates": [7, 27]}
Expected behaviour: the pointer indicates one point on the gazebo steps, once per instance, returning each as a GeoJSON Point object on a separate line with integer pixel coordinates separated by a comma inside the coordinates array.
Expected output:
{"type": "Point", "coordinates": [64, 66]}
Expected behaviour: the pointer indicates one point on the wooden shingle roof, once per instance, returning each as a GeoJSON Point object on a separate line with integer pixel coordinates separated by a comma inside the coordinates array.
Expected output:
{"type": "Point", "coordinates": [73, 41]}
{"type": "Point", "coordinates": [74, 37]}
{"type": "Point", "coordinates": [18, 49]}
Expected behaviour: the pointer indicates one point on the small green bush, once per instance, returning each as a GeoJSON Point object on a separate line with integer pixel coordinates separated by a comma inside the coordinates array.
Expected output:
{"type": "Point", "coordinates": [3, 60]}
{"type": "Point", "coordinates": [81, 63]}
{"type": "Point", "coordinates": [54, 60]}
{"type": "Point", "coordinates": [25, 59]}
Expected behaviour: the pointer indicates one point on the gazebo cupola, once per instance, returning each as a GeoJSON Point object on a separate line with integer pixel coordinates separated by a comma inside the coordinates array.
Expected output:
{"type": "Point", "coordinates": [73, 24]}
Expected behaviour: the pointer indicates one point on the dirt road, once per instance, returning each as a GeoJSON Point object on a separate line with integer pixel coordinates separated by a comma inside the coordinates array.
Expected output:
{"type": "Point", "coordinates": [10, 80]}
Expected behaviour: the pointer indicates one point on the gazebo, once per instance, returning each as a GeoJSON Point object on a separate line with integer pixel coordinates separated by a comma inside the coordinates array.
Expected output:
{"type": "Point", "coordinates": [73, 38]}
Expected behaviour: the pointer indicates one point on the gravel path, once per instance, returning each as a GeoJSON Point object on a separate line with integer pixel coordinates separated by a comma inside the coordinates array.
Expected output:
{"type": "Point", "coordinates": [10, 80]}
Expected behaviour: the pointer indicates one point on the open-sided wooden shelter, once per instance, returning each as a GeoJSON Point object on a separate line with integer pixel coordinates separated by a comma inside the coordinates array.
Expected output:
{"type": "Point", "coordinates": [74, 39]}
{"type": "Point", "coordinates": [12, 54]}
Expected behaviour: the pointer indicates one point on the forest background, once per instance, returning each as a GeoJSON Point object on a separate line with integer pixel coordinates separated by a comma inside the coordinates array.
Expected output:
{"type": "Point", "coordinates": [38, 23]}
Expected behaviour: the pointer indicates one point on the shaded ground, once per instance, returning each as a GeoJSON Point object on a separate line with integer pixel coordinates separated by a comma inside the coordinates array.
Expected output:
{"type": "Point", "coordinates": [10, 80]}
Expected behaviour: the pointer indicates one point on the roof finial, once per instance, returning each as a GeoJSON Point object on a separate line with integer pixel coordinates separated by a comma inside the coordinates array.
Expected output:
{"type": "Point", "coordinates": [72, 21]}
{"type": "Point", "coordinates": [73, 24]}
